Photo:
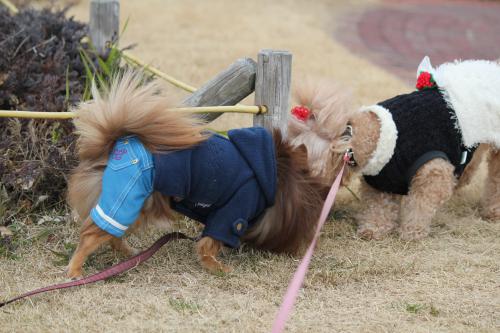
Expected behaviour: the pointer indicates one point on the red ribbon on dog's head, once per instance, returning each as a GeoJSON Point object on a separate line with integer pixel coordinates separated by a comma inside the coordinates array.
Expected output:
{"type": "Point", "coordinates": [302, 113]}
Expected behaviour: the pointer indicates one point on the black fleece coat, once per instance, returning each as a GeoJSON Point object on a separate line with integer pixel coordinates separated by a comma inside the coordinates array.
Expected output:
{"type": "Point", "coordinates": [427, 129]}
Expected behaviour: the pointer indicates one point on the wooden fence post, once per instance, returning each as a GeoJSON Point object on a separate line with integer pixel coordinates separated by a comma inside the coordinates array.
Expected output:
{"type": "Point", "coordinates": [104, 23]}
{"type": "Point", "coordinates": [228, 88]}
{"type": "Point", "coordinates": [272, 88]}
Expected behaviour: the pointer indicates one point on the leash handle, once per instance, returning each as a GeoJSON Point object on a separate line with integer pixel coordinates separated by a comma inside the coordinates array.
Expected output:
{"type": "Point", "coordinates": [109, 272]}
{"type": "Point", "coordinates": [300, 273]}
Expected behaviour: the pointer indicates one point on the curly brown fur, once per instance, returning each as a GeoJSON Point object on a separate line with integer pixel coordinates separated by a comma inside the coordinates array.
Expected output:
{"type": "Point", "coordinates": [470, 170]}
{"type": "Point", "coordinates": [324, 135]}
{"type": "Point", "coordinates": [133, 108]}
{"type": "Point", "coordinates": [491, 196]}
{"type": "Point", "coordinates": [380, 213]}
{"type": "Point", "coordinates": [430, 188]}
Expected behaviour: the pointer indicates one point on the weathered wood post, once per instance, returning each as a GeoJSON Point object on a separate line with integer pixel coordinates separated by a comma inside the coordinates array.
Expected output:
{"type": "Point", "coordinates": [227, 88]}
{"type": "Point", "coordinates": [104, 23]}
{"type": "Point", "coordinates": [272, 88]}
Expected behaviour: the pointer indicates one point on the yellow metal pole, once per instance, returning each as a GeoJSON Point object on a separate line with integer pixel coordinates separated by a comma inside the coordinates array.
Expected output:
{"type": "Point", "coordinates": [10, 6]}
{"type": "Point", "coordinates": [36, 115]}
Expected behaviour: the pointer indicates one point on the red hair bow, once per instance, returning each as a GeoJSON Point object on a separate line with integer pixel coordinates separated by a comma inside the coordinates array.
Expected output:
{"type": "Point", "coordinates": [301, 113]}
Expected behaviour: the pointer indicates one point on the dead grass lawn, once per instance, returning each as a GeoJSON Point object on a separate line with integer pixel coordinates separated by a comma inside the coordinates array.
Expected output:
{"type": "Point", "coordinates": [449, 282]}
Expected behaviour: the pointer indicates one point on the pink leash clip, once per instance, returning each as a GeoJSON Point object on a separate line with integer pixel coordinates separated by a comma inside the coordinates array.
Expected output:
{"type": "Point", "coordinates": [300, 273]}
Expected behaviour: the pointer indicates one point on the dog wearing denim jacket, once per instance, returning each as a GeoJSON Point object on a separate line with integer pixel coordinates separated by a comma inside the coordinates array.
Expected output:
{"type": "Point", "coordinates": [139, 163]}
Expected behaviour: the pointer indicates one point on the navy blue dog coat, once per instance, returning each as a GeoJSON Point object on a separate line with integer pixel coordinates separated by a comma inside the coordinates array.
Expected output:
{"type": "Point", "coordinates": [226, 184]}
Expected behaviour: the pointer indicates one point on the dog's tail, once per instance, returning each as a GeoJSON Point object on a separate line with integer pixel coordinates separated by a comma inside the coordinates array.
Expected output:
{"type": "Point", "coordinates": [129, 107]}
{"type": "Point", "coordinates": [132, 106]}
{"type": "Point", "coordinates": [289, 225]}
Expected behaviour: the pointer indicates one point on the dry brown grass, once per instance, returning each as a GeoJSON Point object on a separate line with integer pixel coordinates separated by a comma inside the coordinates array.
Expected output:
{"type": "Point", "coordinates": [449, 282]}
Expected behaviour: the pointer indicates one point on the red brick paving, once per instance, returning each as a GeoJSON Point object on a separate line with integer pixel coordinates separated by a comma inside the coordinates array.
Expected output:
{"type": "Point", "coordinates": [398, 34]}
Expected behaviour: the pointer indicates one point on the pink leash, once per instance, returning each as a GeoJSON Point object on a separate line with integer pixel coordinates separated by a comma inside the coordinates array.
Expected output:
{"type": "Point", "coordinates": [107, 273]}
{"type": "Point", "coordinates": [300, 273]}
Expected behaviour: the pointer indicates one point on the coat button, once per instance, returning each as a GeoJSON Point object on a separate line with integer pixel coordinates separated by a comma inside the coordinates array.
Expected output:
{"type": "Point", "coordinates": [126, 141]}
{"type": "Point", "coordinates": [135, 161]}
{"type": "Point", "coordinates": [239, 226]}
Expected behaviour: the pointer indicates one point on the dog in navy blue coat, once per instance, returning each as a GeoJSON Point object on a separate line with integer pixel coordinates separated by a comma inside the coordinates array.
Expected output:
{"type": "Point", "coordinates": [140, 163]}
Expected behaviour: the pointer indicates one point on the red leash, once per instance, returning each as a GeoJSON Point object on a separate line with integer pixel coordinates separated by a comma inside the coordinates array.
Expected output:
{"type": "Point", "coordinates": [109, 272]}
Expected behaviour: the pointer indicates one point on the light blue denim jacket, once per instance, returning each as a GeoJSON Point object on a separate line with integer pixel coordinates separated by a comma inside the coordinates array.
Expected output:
{"type": "Point", "coordinates": [127, 180]}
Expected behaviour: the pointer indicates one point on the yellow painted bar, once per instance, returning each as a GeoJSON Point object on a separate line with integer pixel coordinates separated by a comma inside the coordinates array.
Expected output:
{"type": "Point", "coordinates": [68, 115]}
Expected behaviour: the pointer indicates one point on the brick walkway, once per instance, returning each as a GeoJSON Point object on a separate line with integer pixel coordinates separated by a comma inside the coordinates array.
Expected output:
{"type": "Point", "coordinates": [397, 34]}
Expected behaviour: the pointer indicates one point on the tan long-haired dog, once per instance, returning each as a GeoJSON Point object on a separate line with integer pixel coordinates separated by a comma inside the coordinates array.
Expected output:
{"type": "Point", "coordinates": [411, 150]}
{"type": "Point", "coordinates": [139, 162]}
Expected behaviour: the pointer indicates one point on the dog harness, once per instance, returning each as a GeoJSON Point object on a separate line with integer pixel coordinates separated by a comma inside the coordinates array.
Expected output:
{"type": "Point", "coordinates": [224, 183]}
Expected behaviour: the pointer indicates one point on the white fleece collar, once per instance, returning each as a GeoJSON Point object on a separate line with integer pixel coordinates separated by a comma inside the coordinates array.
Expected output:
{"type": "Point", "coordinates": [386, 142]}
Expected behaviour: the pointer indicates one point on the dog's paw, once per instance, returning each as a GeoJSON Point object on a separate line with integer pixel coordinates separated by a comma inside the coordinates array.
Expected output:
{"type": "Point", "coordinates": [215, 267]}
{"type": "Point", "coordinates": [132, 252]}
{"type": "Point", "coordinates": [374, 232]}
{"type": "Point", "coordinates": [223, 269]}
{"type": "Point", "coordinates": [413, 232]}
{"type": "Point", "coordinates": [74, 273]}
{"type": "Point", "coordinates": [122, 246]}
{"type": "Point", "coordinates": [76, 278]}
{"type": "Point", "coordinates": [219, 269]}
{"type": "Point", "coordinates": [491, 215]}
